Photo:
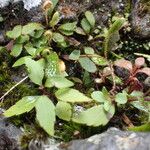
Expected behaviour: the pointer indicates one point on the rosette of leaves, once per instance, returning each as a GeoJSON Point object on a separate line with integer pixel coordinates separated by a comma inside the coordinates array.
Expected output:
{"type": "Point", "coordinates": [132, 80]}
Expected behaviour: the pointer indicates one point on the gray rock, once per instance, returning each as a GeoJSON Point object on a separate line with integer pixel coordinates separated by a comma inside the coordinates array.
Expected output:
{"type": "Point", "coordinates": [9, 135]}
{"type": "Point", "coordinates": [113, 139]}
{"type": "Point", "coordinates": [140, 19]}
{"type": "Point", "coordinates": [28, 4]}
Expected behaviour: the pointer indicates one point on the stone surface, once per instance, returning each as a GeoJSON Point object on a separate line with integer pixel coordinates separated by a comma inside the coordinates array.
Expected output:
{"type": "Point", "coordinates": [28, 4]}
{"type": "Point", "coordinates": [140, 19]}
{"type": "Point", "coordinates": [9, 135]}
{"type": "Point", "coordinates": [113, 139]}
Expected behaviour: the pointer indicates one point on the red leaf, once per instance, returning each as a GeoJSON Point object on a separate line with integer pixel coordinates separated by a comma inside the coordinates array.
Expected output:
{"type": "Point", "coordinates": [124, 64]}
{"type": "Point", "coordinates": [139, 62]}
{"type": "Point", "coordinates": [145, 70]}
{"type": "Point", "coordinates": [10, 45]}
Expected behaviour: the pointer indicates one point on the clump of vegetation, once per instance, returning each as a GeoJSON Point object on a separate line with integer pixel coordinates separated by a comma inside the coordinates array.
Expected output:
{"type": "Point", "coordinates": [97, 89]}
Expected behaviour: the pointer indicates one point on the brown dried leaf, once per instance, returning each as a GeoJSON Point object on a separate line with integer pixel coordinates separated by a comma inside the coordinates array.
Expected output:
{"type": "Point", "coordinates": [145, 70]}
{"type": "Point", "coordinates": [139, 62]}
{"type": "Point", "coordinates": [124, 64]}
{"type": "Point", "coordinates": [10, 45]}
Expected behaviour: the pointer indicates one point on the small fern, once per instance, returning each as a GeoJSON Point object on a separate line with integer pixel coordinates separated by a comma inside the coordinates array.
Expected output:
{"type": "Point", "coordinates": [112, 35]}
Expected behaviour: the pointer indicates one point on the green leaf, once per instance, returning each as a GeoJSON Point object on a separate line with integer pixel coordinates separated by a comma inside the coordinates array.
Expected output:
{"type": "Point", "coordinates": [68, 27]}
{"type": "Point", "coordinates": [71, 95]}
{"type": "Point", "coordinates": [64, 111]}
{"type": "Point", "coordinates": [142, 128]}
{"type": "Point", "coordinates": [30, 49]}
{"type": "Point", "coordinates": [94, 116]}
{"type": "Point", "coordinates": [45, 114]}
{"type": "Point", "coordinates": [112, 35]}
{"type": "Point", "coordinates": [54, 2]}
{"type": "Point", "coordinates": [59, 82]}
{"type": "Point", "coordinates": [15, 33]}
{"type": "Point", "coordinates": [67, 33]}
{"type": "Point", "coordinates": [87, 64]}
{"type": "Point", "coordinates": [21, 61]}
{"type": "Point", "coordinates": [36, 71]}
{"type": "Point", "coordinates": [98, 96]}
{"type": "Point", "coordinates": [89, 50]}
{"type": "Point", "coordinates": [75, 55]}
{"type": "Point", "coordinates": [80, 31]}
{"type": "Point", "coordinates": [55, 19]}
{"type": "Point", "coordinates": [30, 27]}
{"type": "Point", "coordinates": [141, 105]}
{"type": "Point", "coordinates": [99, 60]}
{"type": "Point", "coordinates": [16, 50]}
{"type": "Point", "coordinates": [58, 38]}
{"type": "Point", "coordinates": [121, 98]}
{"type": "Point", "coordinates": [86, 25]}
{"type": "Point", "coordinates": [52, 65]}
{"type": "Point", "coordinates": [22, 39]}
{"type": "Point", "coordinates": [24, 105]}
{"type": "Point", "coordinates": [90, 17]}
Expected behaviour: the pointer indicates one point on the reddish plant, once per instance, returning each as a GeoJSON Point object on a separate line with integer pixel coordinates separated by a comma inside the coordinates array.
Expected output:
{"type": "Point", "coordinates": [134, 69]}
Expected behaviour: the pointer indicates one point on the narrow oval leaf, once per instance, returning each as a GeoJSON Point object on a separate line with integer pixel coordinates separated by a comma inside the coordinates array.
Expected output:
{"type": "Point", "coordinates": [86, 25]}
{"type": "Point", "coordinates": [15, 33]}
{"type": "Point", "coordinates": [94, 116]}
{"type": "Point", "coordinates": [71, 95]}
{"type": "Point", "coordinates": [98, 96]}
{"type": "Point", "coordinates": [100, 61]}
{"type": "Point", "coordinates": [68, 26]}
{"type": "Point", "coordinates": [55, 19]}
{"type": "Point", "coordinates": [89, 50]}
{"type": "Point", "coordinates": [59, 82]}
{"type": "Point", "coordinates": [58, 38]}
{"type": "Point", "coordinates": [16, 50]}
{"type": "Point", "coordinates": [45, 114]}
{"type": "Point", "coordinates": [30, 49]}
{"type": "Point", "coordinates": [90, 17]}
{"type": "Point", "coordinates": [36, 71]}
{"type": "Point", "coordinates": [121, 98]}
{"type": "Point", "coordinates": [64, 111]}
{"type": "Point", "coordinates": [75, 55]}
{"type": "Point", "coordinates": [87, 64]}
{"type": "Point", "coordinates": [52, 65]}
{"type": "Point", "coordinates": [30, 27]}
{"type": "Point", "coordinates": [21, 61]}
{"type": "Point", "coordinates": [24, 105]}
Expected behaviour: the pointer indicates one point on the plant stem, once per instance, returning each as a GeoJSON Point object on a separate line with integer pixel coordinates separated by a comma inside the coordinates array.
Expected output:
{"type": "Point", "coordinates": [1, 99]}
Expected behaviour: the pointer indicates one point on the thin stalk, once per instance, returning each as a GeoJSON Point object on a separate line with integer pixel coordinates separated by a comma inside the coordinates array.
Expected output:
{"type": "Point", "coordinates": [1, 99]}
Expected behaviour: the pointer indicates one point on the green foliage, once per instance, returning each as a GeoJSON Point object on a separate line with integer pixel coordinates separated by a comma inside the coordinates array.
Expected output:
{"type": "Point", "coordinates": [40, 49]}
{"type": "Point", "coordinates": [45, 111]}
{"type": "Point", "coordinates": [90, 117]}
{"type": "Point", "coordinates": [112, 35]}
{"type": "Point", "coordinates": [87, 64]}
{"type": "Point", "coordinates": [71, 95]}
{"type": "Point", "coordinates": [45, 114]}
{"type": "Point", "coordinates": [142, 128]}
{"type": "Point", "coordinates": [64, 110]}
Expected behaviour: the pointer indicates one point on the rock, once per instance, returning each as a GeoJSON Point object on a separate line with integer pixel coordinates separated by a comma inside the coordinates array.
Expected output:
{"type": "Point", "coordinates": [140, 19]}
{"type": "Point", "coordinates": [113, 139]}
{"type": "Point", "coordinates": [20, 12]}
{"type": "Point", "coordinates": [28, 4]}
{"type": "Point", "coordinates": [49, 144]}
{"type": "Point", "coordinates": [9, 135]}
